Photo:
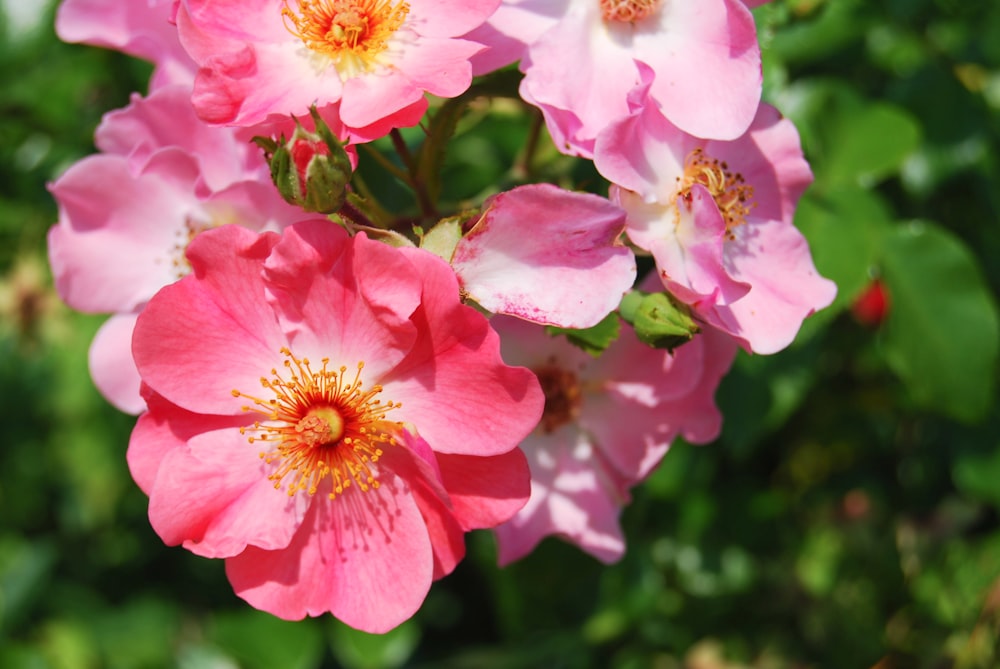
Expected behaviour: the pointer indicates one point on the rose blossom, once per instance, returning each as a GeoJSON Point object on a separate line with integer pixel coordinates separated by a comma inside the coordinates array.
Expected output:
{"type": "Point", "coordinates": [607, 423]}
{"type": "Point", "coordinates": [326, 415]}
{"type": "Point", "coordinates": [717, 217]}
{"type": "Point", "coordinates": [369, 61]}
{"type": "Point", "coordinates": [582, 57]}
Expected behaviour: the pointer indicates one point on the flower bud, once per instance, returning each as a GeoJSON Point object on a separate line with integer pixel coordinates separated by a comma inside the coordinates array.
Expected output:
{"type": "Point", "coordinates": [659, 321]}
{"type": "Point", "coordinates": [311, 169]}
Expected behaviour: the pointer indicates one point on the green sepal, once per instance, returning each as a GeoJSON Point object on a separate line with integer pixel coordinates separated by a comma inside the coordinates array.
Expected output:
{"type": "Point", "coordinates": [659, 320]}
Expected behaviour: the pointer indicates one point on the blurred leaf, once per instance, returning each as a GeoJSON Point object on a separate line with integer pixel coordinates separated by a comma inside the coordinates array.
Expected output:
{"type": "Point", "coordinates": [138, 634]}
{"type": "Point", "coordinates": [24, 567]}
{"type": "Point", "coordinates": [359, 650]}
{"type": "Point", "coordinates": [258, 640]}
{"type": "Point", "coordinates": [868, 144]}
{"type": "Point", "coordinates": [845, 229]}
{"type": "Point", "coordinates": [941, 334]}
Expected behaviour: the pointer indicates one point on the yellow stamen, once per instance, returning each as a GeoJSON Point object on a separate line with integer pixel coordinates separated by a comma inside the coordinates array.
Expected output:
{"type": "Point", "coordinates": [320, 424]}
{"type": "Point", "coordinates": [628, 11]}
{"type": "Point", "coordinates": [352, 33]}
{"type": "Point", "coordinates": [731, 193]}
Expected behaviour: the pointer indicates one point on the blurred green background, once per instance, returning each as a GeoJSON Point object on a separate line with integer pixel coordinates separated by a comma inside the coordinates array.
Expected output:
{"type": "Point", "coordinates": [849, 516]}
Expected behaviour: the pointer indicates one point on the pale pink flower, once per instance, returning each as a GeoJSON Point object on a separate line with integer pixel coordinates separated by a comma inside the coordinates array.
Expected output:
{"type": "Point", "coordinates": [581, 58]}
{"type": "Point", "coordinates": [141, 28]}
{"type": "Point", "coordinates": [367, 61]}
{"type": "Point", "coordinates": [325, 414]}
{"type": "Point", "coordinates": [547, 255]}
{"type": "Point", "coordinates": [126, 216]}
{"type": "Point", "coordinates": [608, 421]}
{"type": "Point", "coordinates": [717, 217]}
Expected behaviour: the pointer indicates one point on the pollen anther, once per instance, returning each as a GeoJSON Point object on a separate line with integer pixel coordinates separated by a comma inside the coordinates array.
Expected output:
{"type": "Point", "coordinates": [319, 424]}
{"type": "Point", "coordinates": [731, 193]}
{"type": "Point", "coordinates": [352, 33]}
{"type": "Point", "coordinates": [628, 11]}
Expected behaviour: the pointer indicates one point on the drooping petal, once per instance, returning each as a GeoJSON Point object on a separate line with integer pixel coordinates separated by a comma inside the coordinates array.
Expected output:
{"type": "Point", "coordinates": [547, 255]}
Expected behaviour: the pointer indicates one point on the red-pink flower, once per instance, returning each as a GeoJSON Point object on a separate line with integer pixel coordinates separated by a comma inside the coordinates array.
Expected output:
{"type": "Point", "coordinates": [582, 57]}
{"type": "Point", "coordinates": [126, 216]}
{"type": "Point", "coordinates": [717, 217]}
{"type": "Point", "coordinates": [369, 61]}
{"type": "Point", "coordinates": [607, 423]}
{"type": "Point", "coordinates": [547, 255]}
{"type": "Point", "coordinates": [141, 28]}
{"type": "Point", "coordinates": [326, 415]}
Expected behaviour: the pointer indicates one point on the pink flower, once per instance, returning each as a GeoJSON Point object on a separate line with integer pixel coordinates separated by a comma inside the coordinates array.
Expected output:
{"type": "Point", "coordinates": [717, 217]}
{"type": "Point", "coordinates": [126, 216]}
{"type": "Point", "coordinates": [369, 61]}
{"type": "Point", "coordinates": [582, 57]}
{"type": "Point", "coordinates": [326, 415]}
{"type": "Point", "coordinates": [547, 255]}
{"type": "Point", "coordinates": [607, 423]}
{"type": "Point", "coordinates": [141, 28]}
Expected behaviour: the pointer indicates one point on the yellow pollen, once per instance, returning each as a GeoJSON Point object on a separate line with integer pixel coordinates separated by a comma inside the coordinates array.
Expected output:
{"type": "Point", "coordinates": [353, 33]}
{"type": "Point", "coordinates": [319, 424]}
{"type": "Point", "coordinates": [731, 193]}
{"type": "Point", "coordinates": [628, 11]}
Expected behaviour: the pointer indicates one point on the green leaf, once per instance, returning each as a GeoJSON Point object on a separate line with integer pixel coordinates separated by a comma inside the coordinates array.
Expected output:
{"type": "Point", "coordinates": [261, 641]}
{"type": "Point", "coordinates": [869, 144]}
{"type": "Point", "coordinates": [845, 228]}
{"type": "Point", "coordinates": [594, 339]}
{"type": "Point", "coordinates": [360, 650]}
{"type": "Point", "coordinates": [941, 335]}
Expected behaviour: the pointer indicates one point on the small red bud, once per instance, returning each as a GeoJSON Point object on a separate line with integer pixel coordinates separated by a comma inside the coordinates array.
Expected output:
{"type": "Point", "coordinates": [872, 305]}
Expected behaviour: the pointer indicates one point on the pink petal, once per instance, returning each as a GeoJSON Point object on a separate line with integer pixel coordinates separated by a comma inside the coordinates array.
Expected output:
{"type": "Point", "coordinates": [214, 497]}
{"type": "Point", "coordinates": [365, 557]}
{"type": "Point", "coordinates": [485, 492]}
{"type": "Point", "coordinates": [570, 498]}
{"type": "Point", "coordinates": [547, 255]}
{"type": "Point", "coordinates": [111, 364]}
{"type": "Point", "coordinates": [454, 385]}
{"type": "Point", "coordinates": [229, 337]}
{"type": "Point", "coordinates": [317, 276]}
{"type": "Point", "coordinates": [707, 64]}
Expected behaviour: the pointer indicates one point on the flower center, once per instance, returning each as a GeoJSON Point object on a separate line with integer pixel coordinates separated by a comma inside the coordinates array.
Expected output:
{"type": "Point", "coordinates": [320, 423]}
{"type": "Point", "coordinates": [353, 33]}
{"type": "Point", "coordinates": [562, 396]}
{"type": "Point", "coordinates": [191, 229]}
{"type": "Point", "coordinates": [731, 193]}
{"type": "Point", "coordinates": [628, 11]}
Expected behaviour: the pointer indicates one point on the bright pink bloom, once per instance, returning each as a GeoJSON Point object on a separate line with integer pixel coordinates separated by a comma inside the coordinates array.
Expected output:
{"type": "Point", "coordinates": [547, 255]}
{"type": "Point", "coordinates": [126, 216]}
{"type": "Point", "coordinates": [717, 217]}
{"type": "Point", "coordinates": [368, 61]}
{"type": "Point", "coordinates": [326, 415]}
{"type": "Point", "coordinates": [581, 58]}
{"type": "Point", "coordinates": [141, 28]}
{"type": "Point", "coordinates": [607, 423]}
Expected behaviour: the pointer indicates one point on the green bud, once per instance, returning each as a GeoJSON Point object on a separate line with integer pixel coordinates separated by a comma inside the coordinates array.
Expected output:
{"type": "Point", "coordinates": [311, 169]}
{"type": "Point", "coordinates": [659, 320]}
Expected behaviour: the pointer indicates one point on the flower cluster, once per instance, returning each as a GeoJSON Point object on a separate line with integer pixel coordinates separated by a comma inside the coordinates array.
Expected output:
{"type": "Point", "coordinates": [331, 393]}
